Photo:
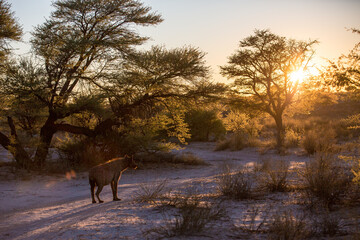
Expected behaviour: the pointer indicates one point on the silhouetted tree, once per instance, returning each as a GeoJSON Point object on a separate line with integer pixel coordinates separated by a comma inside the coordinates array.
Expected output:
{"type": "Point", "coordinates": [9, 29]}
{"type": "Point", "coordinates": [345, 72]}
{"type": "Point", "coordinates": [262, 67]}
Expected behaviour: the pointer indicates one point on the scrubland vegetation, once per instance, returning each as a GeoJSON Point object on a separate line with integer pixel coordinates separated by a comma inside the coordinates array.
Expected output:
{"type": "Point", "coordinates": [88, 95]}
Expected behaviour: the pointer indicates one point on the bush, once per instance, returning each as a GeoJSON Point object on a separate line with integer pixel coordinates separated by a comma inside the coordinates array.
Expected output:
{"type": "Point", "coordinates": [244, 132]}
{"type": "Point", "coordinates": [151, 192]}
{"type": "Point", "coordinates": [325, 224]}
{"type": "Point", "coordinates": [274, 174]}
{"type": "Point", "coordinates": [170, 158]}
{"type": "Point", "coordinates": [287, 226]}
{"type": "Point", "coordinates": [318, 141]}
{"type": "Point", "coordinates": [80, 152]}
{"type": "Point", "coordinates": [310, 142]}
{"type": "Point", "coordinates": [254, 220]}
{"type": "Point", "coordinates": [355, 167]}
{"type": "Point", "coordinates": [237, 122]}
{"type": "Point", "coordinates": [349, 127]}
{"type": "Point", "coordinates": [235, 142]}
{"type": "Point", "coordinates": [325, 180]}
{"type": "Point", "coordinates": [188, 159]}
{"type": "Point", "coordinates": [194, 215]}
{"type": "Point", "coordinates": [204, 125]}
{"type": "Point", "coordinates": [237, 185]}
{"type": "Point", "coordinates": [292, 138]}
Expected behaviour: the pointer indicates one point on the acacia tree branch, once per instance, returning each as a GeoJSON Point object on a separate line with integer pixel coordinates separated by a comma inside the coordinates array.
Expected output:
{"type": "Point", "coordinates": [74, 129]}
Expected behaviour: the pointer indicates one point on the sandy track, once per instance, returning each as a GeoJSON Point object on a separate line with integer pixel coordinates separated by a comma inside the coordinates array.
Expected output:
{"type": "Point", "coordinates": [62, 218]}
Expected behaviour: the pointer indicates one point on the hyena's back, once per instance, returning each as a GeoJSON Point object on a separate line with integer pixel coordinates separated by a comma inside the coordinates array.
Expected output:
{"type": "Point", "coordinates": [101, 175]}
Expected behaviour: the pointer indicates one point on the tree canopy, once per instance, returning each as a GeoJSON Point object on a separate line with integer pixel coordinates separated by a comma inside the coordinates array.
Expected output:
{"type": "Point", "coordinates": [9, 29]}
{"type": "Point", "coordinates": [345, 73]}
{"type": "Point", "coordinates": [81, 39]}
{"type": "Point", "coordinates": [86, 63]}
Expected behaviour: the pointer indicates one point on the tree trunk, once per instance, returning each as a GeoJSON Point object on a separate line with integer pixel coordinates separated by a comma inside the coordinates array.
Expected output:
{"type": "Point", "coordinates": [14, 146]}
{"type": "Point", "coordinates": [280, 133]}
{"type": "Point", "coordinates": [46, 134]}
{"type": "Point", "coordinates": [21, 157]}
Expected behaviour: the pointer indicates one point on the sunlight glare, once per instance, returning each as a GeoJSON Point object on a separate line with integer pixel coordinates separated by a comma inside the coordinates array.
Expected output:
{"type": "Point", "coordinates": [301, 75]}
{"type": "Point", "coordinates": [298, 76]}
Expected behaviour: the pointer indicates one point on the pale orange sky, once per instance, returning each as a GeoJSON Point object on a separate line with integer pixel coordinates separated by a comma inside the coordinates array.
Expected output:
{"type": "Point", "coordinates": [217, 26]}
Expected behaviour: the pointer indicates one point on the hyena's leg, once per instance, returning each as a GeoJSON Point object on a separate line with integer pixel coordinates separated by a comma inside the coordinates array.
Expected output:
{"type": "Point", "coordinates": [98, 191]}
{"type": "Point", "coordinates": [114, 185]}
{"type": "Point", "coordinates": [92, 189]}
{"type": "Point", "coordinates": [113, 190]}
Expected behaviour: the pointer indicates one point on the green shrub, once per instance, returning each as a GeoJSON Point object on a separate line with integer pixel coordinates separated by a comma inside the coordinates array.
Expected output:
{"type": "Point", "coordinates": [204, 125]}
{"type": "Point", "coordinates": [80, 152]}
{"type": "Point", "coordinates": [243, 130]}
{"type": "Point", "coordinates": [237, 122]}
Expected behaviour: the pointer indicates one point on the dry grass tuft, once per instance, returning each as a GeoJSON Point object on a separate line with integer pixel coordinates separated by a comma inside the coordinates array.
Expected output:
{"type": "Point", "coordinates": [193, 216]}
{"type": "Point", "coordinates": [189, 159]}
{"type": "Point", "coordinates": [152, 192]}
{"type": "Point", "coordinates": [236, 141]}
{"type": "Point", "coordinates": [273, 175]}
{"type": "Point", "coordinates": [287, 225]}
{"type": "Point", "coordinates": [236, 185]}
{"type": "Point", "coordinates": [255, 220]}
{"type": "Point", "coordinates": [325, 224]}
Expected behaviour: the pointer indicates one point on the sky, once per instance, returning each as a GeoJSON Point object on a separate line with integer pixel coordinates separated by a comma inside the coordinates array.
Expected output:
{"type": "Point", "coordinates": [217, 26]}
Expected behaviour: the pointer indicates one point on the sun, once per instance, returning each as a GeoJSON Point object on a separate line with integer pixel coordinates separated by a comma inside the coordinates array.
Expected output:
{"type": "Point", "coordinates": [301, 75]}
{"type": "Point", "coordinates": [298, 76]}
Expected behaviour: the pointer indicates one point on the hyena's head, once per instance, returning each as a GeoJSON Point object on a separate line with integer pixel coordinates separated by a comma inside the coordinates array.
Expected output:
{"type": "Point", "coordinates": [131, 162]}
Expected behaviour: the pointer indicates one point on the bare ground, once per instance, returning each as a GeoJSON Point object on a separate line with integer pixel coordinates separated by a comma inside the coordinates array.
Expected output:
{"type": "Point", "coordinates": [56, 207]}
